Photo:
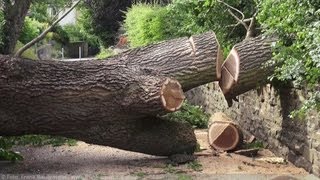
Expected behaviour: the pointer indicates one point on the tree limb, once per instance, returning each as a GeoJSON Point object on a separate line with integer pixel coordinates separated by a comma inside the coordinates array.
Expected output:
{"type": "Point", "coordinates": [239, 20]}
{"type": "Point", "coordinates": [251, 28]}
{"type": "Point", "coordinates": [44, 33]}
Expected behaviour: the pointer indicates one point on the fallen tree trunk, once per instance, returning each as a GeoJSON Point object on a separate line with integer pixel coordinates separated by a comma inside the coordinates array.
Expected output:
{"type": "Point", "coordinates": [192, 61]}
{"type": "Point", "coordinates": [84, 87]}
{"type": "Point", "coordinates": [113, 102]}
{"type": "Point", "coordinates": [99, 102]}
{"type": "Point", "coordinates": [245, 67]}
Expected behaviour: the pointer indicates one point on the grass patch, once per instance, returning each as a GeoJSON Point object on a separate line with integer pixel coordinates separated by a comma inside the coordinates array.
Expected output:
{"type": "Point", "coordinates": [184, 177]}
{"type": "Point", "coordinates": [194, 115]}
{"type": "Point", "coordinates": [254, 145]}
{"type": "Point", "coordinates": [195, 165]}
{"type": "Point", "coordinates": [6, 143]}
{"type": "Point", "coordinates": [38, 140]}
{"type": "Point", "coordinates": [141, 175]}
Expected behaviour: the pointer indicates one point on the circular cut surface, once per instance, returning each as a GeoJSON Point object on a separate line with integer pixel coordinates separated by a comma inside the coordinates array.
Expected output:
{"type": "Point", "coordinates": [230, 71]}
{"type": "Point", "coordinates": [172, 95]}
{"type": "Point", "coordinates": [223, 136]}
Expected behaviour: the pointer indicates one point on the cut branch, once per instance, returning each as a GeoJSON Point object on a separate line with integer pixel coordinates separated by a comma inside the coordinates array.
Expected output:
{"type": "Point", "coordinates": [192, 61]}
{"type": "Point", "coordinates": [240, 21]}
{"type": "Point", "coordinates": [245, 67]}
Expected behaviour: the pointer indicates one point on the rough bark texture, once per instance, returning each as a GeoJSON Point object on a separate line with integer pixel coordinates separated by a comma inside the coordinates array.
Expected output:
{"type": "Point", "coordinates": [245, 68]}
{"type": "Point", "coordinates": [99, 102]}
{"type": "Point", "coordinates": [192, 61]}
{"type": "Point", "coordinates": [14, 15]}
{"type": "Point", "coordinates": [113, 102]}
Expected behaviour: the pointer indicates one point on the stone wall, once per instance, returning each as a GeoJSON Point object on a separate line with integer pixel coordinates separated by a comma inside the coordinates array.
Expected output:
{"type": "Point", "coordinates": [264, 113]}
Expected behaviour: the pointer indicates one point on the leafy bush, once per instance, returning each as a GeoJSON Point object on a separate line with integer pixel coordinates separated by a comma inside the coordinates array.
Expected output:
{"type": "Point", "coordinates": [297, 26]}
{"type": "Point", "coordinates": [191, 114]}
{"type": "Point", "coordinates": [77, 33]}
{"type": "Point", "coordinates": [31, 29]}
{"type": "Point", "coordinates": [146, 24]}
{"type": "Point", "coordinates": [60, 35]}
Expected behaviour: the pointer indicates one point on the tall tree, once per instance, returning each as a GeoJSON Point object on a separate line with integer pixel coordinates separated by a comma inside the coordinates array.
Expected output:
{"type": "Point", "coordinates": [14, 15]}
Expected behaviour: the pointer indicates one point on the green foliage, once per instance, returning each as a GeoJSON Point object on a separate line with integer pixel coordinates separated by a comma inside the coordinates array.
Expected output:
{"type": "Point", "coordinates": [191, 114]}
{"type": "Point", "coordinates": [39, 9]}
{"type": "Point", "coordinates": [141, 175]}
{"type": "Point", "coordinates": [105, 53]}
{"type": "Point", "coordinates": [297, 26]}
{"type": "Point", "coordinates": [102, 18]}
{"type": "Point", "coordinates": [29, 53]}
{"type": "Point", "coordinates": [170, 169]}
{"type": "Point", "coordinates": [184, 177]}
{"type": "Point", "coordinates": [6, 144]}
{"type": "Point", "coordinates": [39, 140]}
{"type": "Point", "coordinates": [254, 144]}
{"type": "Point", "coordinates": [195, 165]}
{"type": "Point", "coordinates": [6, 154]}
{"type": "Point", "coordinates": [60, 35]}
{"type": "Point", "coordinates": [31, 29]}
{"type": "Point", "coordinates": [147, 23]}
{"type": "Point", "coordinates": [312, 103]}
{"type": "Point", "coordinates": [76, 33]}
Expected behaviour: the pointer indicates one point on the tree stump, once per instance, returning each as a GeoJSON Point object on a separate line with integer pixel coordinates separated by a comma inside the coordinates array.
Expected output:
{"type": "Point", "coordinates": [223, 134]}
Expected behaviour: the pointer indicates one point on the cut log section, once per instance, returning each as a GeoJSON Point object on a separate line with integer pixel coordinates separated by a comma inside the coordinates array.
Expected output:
{"type": "Point", "coordinates": [245, 67]}
{"type": "Point", "coordinates": [223, 134]}
{"type": "Point", "coordinates": [192, 61]}
{"type": "Point", "coordinates": [172, 95]}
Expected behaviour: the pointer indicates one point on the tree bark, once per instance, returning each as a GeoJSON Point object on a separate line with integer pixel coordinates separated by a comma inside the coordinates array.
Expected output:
{"type": "Point", "coordinates": [246, 67]}
{"type": "Point", "coordinates": [192, 61]}
{"type": "Point", "coordinates": [114, 102]}
{"type": "Point", "coordinates": [101, 102]}
{"type": "Point", "coordinates": [14, 15]}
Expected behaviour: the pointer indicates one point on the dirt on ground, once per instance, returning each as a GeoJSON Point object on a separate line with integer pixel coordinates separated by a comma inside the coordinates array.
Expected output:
{"type": "Point", "coordinates": [85, 161]}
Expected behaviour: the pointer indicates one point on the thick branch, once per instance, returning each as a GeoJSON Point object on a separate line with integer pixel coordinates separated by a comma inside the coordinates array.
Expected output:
{"type": "Point", "coordinates": [192, 61]}
{"type": "Point", "coordinates": [245, 67]}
